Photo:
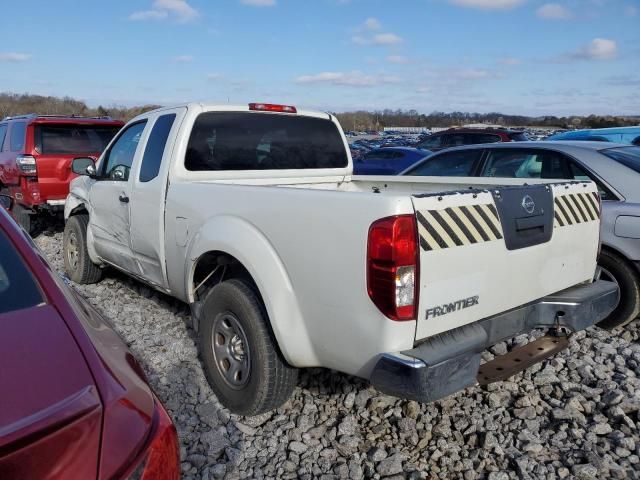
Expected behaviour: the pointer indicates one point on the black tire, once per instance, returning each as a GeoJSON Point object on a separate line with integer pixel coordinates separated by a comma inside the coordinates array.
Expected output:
{"type": "Point", "coordinates": [269, 381]}
{"type": "Point", "coordinates": [617, 269]}
{"type": "Point", "coordinates": [77, 263]}
{"type": "Point", "coordinates": [23, 218]}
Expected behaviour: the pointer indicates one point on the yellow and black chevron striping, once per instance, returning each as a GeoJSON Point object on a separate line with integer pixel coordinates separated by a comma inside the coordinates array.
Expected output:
{"type": "Point", "coordinates": [457, 226]}
{"type": "Point", "coordinates": [576, 208]}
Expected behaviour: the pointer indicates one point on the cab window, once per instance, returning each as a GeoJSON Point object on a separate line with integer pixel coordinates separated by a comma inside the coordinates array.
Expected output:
{"type": "Point", "coordinates": [119, 158]}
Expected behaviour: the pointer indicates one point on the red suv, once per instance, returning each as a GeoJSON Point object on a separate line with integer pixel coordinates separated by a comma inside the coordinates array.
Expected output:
{"type": "Point", "coordinates": [35, 158]}
{"type": "Point", "coordinates": [456, 137]}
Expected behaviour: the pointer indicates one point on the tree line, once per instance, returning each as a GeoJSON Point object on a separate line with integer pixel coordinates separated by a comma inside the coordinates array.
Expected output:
{"type": "Point", "coordinates": [21, 104]}
{"type": "Point", "coordinates": [18, 104]}
{"type": "Point", "coordinates": [363, 120]}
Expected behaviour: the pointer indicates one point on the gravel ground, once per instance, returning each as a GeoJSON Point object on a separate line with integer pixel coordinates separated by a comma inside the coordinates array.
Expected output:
{"type": "Point", "coordinates": [575, 416]}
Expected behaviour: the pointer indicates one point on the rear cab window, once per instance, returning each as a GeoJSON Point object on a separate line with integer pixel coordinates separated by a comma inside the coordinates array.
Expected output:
{"type": "Point", "coordinates": [18, 288]}
{"type": "Point", "coordinates": [154, 150]}
{"type": "Point", "coordinates": [223, 141]}
{"type": "Point", "coordinates": [69, 139]}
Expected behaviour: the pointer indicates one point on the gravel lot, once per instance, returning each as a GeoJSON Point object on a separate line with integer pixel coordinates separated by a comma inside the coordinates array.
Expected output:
{"type": "Point", "coordinates": [575, 416]}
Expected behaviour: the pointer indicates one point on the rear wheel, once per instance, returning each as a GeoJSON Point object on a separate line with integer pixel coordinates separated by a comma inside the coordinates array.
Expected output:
{"type": "Point", "coordinates": [240, 356]}
{"type": "Point", "coordinates": [77, 263]}
{"type": "Point", "coordinates": [615, 269]}
{"type": "Point", "coordinates": [23, 216]}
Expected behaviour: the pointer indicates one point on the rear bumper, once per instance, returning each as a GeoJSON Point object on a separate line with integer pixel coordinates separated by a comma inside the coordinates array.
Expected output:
{"type": "Point", "coordinates": [448, 362]}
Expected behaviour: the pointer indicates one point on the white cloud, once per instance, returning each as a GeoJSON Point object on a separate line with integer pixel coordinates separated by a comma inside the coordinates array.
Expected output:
{"type": "Point", "coordinates": [365, 34]}
{"type": "Point", "coordinates": [148, 15]}
{"type": "Point", "coordinates": [161, 9]}
{"type": "Point", "coordinates": [259, 3]}
{"type": "Point", "coordinates": [397, 59]}
{"type": "Point", "coordinates": [598, 49]}
{"type": "Point", "coordinates": [554, 11]}
{"type": "Point", "coordinates": [350, 79]}
{"type": "Point", "coordinates": [488, 4]}
{"type": "Point", "coordinates": [372, 24]}
{"type": "Point", "coordinates": [631, 11]}
{"type": "Point", "coordinates": [14, 57]}
{"type": "Point", "coordinates": [510, 61]}
{"type": "Point", "coordinates": [214, 76]}
{"type": "Point", "coordinates": [386, 39]}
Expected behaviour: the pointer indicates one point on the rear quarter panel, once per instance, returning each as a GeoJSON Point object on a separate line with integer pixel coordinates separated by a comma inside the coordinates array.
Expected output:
{"type": "Point", "coordinates": [306, 250]}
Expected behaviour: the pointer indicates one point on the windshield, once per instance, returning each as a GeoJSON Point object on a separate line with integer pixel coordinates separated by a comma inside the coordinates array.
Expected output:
{"type": "Point", "coordinates": [73, 139]}
{"type": "Point", "coordinates": [628, 156]}
{"type": "Point", "coordinates": [259, 141]}
{"type": "Point", "coordinates": [18, 290]}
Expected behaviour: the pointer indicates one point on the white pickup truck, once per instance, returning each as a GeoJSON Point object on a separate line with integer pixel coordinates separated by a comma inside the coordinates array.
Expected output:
{"type": "Point", "coordinates": [251, 215]}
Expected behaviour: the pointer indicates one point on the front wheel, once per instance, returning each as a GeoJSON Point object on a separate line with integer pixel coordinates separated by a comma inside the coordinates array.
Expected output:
{"type": "Point", "coordinates": [615, 269]}
{"type": "Point", "coordinates": [77, 263]}
{"type": "Point", "coordinates": [240, 356]}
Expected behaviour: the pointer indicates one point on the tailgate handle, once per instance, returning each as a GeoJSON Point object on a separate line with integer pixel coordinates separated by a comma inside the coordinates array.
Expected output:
{"type": "Point", "coordinates": [530, 223]}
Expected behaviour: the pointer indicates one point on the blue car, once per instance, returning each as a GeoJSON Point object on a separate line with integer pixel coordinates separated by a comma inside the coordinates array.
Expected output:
{"type": "Point", "coordinates": [630, 135]}
{"type": "Point", "coordinates": [388, 160]}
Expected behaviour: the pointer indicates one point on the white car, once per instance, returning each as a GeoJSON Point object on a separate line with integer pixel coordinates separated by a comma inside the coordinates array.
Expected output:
{"type": "Point", "coordinates": [251, 215]}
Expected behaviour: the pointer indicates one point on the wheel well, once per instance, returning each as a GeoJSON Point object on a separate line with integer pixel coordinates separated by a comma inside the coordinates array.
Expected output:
{"type": "Point", "coordinates": [79, 210]}
{"type": "Point", "coordinates": [623, 258]}
{"type": "Point", "coordinates": [214, 267]}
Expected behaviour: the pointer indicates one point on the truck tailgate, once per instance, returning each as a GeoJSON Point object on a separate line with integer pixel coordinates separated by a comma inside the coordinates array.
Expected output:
{"type": "Point", "coordinates": [483, 252]}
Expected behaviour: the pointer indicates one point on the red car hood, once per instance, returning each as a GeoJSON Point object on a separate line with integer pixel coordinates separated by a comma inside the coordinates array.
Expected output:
{"type": "Point", "coordinates": [50, 408]}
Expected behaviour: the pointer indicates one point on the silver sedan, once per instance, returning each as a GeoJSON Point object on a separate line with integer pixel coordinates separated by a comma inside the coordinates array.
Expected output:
{"type": "Point", "coordinates": [614, 167]}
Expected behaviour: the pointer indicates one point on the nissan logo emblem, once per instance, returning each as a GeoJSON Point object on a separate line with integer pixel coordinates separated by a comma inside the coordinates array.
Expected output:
{"type": "Point", "coordinates": [528, 204]}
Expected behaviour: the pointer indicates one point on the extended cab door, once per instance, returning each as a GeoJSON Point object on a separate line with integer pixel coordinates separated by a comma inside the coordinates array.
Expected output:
{"type": "Point", "coordinates": [109, 198]}
{"type": "Point", "coordinates": [147, 196]}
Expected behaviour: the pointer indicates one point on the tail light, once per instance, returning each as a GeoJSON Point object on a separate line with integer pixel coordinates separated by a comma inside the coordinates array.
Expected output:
{"type": "Point", "coordinates": [27, 164]}
{"type": "Point", "coordinates": [162, 457]}
{"type": "Point", "coordinates": [392, 266]}
{"type": "Point", "coordinates": [271, 107]}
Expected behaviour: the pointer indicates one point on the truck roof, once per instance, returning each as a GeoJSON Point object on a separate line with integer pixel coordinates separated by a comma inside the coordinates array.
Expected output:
{"type": "Point", "coordinates": [226, 107]}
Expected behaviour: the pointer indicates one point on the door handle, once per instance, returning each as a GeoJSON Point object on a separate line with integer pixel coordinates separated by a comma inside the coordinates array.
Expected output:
{"type": "Point", "coordinates": [123, 198]}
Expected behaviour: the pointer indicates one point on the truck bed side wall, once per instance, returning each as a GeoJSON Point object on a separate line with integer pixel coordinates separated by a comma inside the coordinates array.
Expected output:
{"type": "Point", "coordinates": [306, 251]}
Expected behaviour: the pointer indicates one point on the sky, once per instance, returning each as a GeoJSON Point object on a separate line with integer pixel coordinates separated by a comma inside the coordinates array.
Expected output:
{"type": "Point", "coordinates": [530, 57]}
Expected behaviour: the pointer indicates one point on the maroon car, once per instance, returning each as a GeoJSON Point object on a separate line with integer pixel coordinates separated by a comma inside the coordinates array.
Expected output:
{"type": "Point", "coordinates": [74, 403]}
{"type": "Point", "coordinates": [455, 137]}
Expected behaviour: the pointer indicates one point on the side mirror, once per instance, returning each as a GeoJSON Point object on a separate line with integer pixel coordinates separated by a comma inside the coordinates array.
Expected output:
{"type": "Point", "coordinates": [6, 202]}
{"type": "Point", "coordinates": [84, 166]}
